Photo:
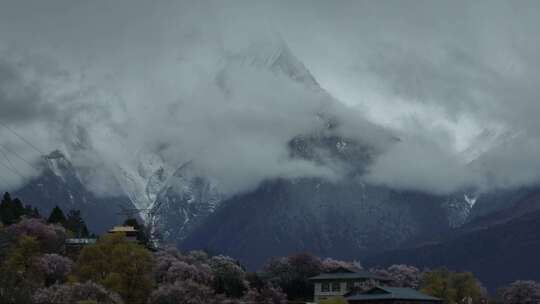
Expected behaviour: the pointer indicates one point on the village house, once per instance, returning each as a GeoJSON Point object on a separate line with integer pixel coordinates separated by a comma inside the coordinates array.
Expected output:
{"type": "Point", "coordinates": [342, 281]}
{"type": "Point", "coordinates": [74, 245]}
{"type": "Point", "coordinates": [130, 232]}
{"type": "Point", "coordinates": [390, 295]}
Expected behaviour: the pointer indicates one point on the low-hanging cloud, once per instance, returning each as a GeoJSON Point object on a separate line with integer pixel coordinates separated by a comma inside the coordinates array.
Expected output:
{"type": "Point", "coordinates": [21, 97]}
{"type": "Point", "coordinates": [26, 114]}
{"type": "Point", "coordinates": [414, 164]}
{"type": "Point", "coordinates": [130, 76]}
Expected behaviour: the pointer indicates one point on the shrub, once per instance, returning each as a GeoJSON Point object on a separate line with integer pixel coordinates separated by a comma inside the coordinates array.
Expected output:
{"type": "Point", "coordinates": [76, 293]}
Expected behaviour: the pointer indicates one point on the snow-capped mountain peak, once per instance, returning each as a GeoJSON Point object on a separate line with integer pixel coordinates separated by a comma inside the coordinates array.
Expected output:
{"type": "Point", "coordinates": [274, 55]}
{"type": "Point", "coordinates": [59, 165]}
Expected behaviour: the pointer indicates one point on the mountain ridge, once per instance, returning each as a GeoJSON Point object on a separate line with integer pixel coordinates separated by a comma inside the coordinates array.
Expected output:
{"type": "Point", "coordinates": [499, 247]}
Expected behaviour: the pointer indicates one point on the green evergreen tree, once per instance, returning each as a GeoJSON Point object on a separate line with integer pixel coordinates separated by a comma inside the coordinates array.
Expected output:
{"type": "Point", "coordinates": [11, 210]}
{"type": "Point", "coordinates": [6, 210]}
{"type": "Point", "coordinates": [57, 216]}
{"type": "Point", "coordinates": [18, 209]}
{"type": "Point", "coordinates": [29, 211]}
{"type": "Point", "coordinates": [76, 224]}
{"type": "Point", "coordinates": [7, 197]}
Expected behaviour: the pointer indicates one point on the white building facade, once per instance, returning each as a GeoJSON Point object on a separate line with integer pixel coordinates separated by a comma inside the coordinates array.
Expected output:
{"type": "Point", "coordinates": [341, 282]}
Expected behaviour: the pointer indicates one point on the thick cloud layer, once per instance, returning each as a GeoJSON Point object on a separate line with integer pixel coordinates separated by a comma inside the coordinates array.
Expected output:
{"type": "Point", "coordinates": [103, 80]}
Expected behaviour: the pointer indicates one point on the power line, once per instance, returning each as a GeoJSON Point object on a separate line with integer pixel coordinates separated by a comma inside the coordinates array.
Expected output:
{"type": "Point", "coordinates": [13, 167]}
{"type": "Point", "coordinates": [13, 170]}
{"type": "Point", "coordinates": [16, 172]}
{"type": "Point", "coordinates": [7, 159]}
{"type": "Point", "coordinates": [19, 157]}
{"type": "Point", "coordinates": [21, 138]}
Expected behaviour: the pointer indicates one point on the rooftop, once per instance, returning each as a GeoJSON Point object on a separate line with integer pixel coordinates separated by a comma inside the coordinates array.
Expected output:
{"type": "Point", "coordinates": [343, 274]}
{"type": "Point", "coordinates": [391, 293]}
{"type": "Point", "coordinates": [122, 229]}
{"type": "Point", "coordinates": [77, 241]}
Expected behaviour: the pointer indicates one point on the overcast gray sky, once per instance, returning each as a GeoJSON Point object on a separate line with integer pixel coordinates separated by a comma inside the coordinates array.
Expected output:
{"type": "Point", "coordinates": [455, 80]}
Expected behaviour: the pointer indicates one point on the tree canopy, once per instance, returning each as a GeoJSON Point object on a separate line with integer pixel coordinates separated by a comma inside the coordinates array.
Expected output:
{"type": "Point", "coordinates": [11, 210]}
{"type": "Point", "coordinates": [119, 265]}
{"type": "Point", "coordinates": [452, 287]}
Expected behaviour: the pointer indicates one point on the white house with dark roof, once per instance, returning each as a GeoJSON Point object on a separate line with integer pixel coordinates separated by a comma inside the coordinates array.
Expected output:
{"type": "Point", "coordinates": [343, 281]}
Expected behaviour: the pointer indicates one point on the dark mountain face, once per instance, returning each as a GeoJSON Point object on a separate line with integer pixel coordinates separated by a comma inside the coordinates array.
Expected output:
{"type": "Point", "coordinates": [345, 220]}
{"type": "Point", "coordinates": [499, 247]}
{"type": "Point", "coordinates": [59, 184]}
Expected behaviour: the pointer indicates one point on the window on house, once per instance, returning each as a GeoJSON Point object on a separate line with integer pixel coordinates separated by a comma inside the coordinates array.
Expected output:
{"type": "Point", "coordinates": [350, 285]}
{"type": "Point", "coordinates": [325, 287]}
{"type": "Point", "coordinates": [336, 286]}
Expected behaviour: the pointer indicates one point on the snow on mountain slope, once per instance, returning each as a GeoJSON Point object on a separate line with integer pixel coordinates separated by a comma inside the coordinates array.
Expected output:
{"type": "Point", "coordinates": [60, 166]}
{"type": "Point", "coordinates": [143, 178]}
{"type": "Point", "coordinates": [183, 203]}
{"type": "Point", "coordinates": [458, 208]}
